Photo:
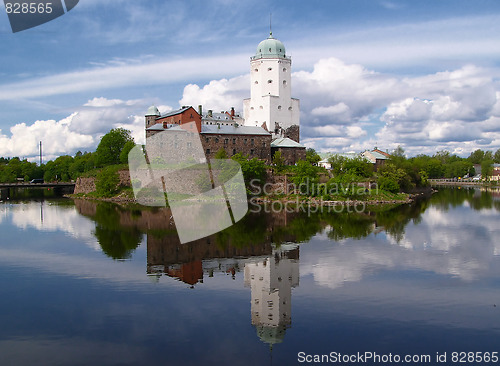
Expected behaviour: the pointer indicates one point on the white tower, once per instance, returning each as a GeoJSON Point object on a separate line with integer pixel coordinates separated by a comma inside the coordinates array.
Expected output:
{"type": "Point", "coordinates": [271, 103]}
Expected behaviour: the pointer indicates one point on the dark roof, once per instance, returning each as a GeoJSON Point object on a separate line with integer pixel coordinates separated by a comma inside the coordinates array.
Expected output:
{"type": "Point", "coordinates": [233, 130]}
{"type": "Point", "coordinates": [174, 113]}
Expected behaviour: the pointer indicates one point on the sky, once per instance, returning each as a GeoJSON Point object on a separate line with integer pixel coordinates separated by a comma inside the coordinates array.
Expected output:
{"type": "Point", "coordinates": [424, 75]}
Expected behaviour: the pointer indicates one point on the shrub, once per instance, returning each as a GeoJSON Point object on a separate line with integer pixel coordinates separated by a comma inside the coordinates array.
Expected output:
{"type": "Point", "coordinates": [388, 184]}
{"type": "Point", "coordinates": [107, 181]}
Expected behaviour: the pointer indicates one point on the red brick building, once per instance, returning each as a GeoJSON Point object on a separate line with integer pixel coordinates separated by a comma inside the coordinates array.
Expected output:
{"type": "Point", "coordinates": [233, 138]}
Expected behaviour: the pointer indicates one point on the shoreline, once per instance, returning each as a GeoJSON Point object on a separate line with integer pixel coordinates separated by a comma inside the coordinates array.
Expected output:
{"type": "Point", "coordinates": [313, 201]}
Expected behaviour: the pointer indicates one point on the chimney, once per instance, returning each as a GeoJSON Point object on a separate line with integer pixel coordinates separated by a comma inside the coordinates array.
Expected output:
{"type": "Point", "coordinates": [232, 112]}
{"type": "Point", "coordinates": [200, 110]}
{"type": "Point", "coordinates": [210, 113]}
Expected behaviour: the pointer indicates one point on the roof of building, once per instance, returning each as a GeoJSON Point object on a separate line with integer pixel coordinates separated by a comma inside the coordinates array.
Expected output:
{"type": "Point", "coordinates": [285, 142]}
{"type": "Point", "coordinates": [378, 155]}
{"type": "Point", "coordinates": [170, 127]}
{"type": "Point", "coordinates": [233, 130]}
{"type": "Point", "coordinates": [152, 111]}
{"type": "Point", "coordinates": [382, 152]}
{"type": "Point", "coordinates": [326, 156]}
{"type": "Point", "coordinates": [217, 117]}
{"type": "Point", "coordinates": [174, 113]}
{"type": "Point", "coordinates": [270, 48]}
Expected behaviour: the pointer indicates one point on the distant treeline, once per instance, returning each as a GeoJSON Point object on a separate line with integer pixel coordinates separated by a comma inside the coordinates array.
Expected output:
{"type": "Point", "coordinates": [112, 149]}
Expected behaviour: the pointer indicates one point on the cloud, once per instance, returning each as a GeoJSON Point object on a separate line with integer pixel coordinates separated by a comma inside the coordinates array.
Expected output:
{"type": "Point", "coordinates": [81, 130]}
{"type": "Point", "coordinates": [346, 107]}
{"type": "Point", "coordinates": [127, 74]}
{"type": "Point", "coordinates": [218, 95]}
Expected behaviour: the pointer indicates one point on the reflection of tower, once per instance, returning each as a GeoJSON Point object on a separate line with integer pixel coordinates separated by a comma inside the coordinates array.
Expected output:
{"type": "Point", "coordinates": [271, 280]}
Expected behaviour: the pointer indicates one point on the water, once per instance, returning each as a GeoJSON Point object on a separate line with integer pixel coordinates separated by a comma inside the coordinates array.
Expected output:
{"type": "Point", "coordinates": [94, 284]}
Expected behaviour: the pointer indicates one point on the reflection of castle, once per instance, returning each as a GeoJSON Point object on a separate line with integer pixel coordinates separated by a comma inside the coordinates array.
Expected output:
{"type": "Point", "coordinates": [269, 272]}
{"type": "Point", "coordinates": [271, 280]}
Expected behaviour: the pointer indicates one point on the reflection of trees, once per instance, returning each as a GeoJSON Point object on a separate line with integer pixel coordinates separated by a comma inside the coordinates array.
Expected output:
{"type": "Point", "coordinates": [117, 241]}
{"type": "Point", "coordinates": [395, 220]}
{"type": "Point", "coordinates": [456, 196]}
{"type": "Point", "coordinates": [349, 225]}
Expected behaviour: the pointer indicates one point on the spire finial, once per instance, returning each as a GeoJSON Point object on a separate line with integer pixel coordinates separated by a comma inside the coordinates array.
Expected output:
{"type": "Point", "coordinates": [270, 24]}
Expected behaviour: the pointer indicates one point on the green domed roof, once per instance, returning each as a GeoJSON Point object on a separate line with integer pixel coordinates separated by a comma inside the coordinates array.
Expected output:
{"type": "Point", "coordinates": [270, 48]}
{"type": "Point", "coordinates": [153, 111]}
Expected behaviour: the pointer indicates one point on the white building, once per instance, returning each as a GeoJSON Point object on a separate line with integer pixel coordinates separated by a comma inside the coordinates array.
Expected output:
{"type": "Point", "coordinates": [271, 104]}
{"type": "Point", "coordinates": [271, 280]}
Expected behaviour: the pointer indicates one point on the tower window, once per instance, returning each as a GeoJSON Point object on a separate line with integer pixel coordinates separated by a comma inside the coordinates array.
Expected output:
{"type": "Point", "coordinates": [284, 69]}
{"type": "Point", "coordinates": [208, 151]}
{"type": "Point", "coordinates": [234, 153]}
{"type": "Point", "coordinates": [261, 107]}
{"type": "Point", "coordinates": [279, 107]}
{"type": "Point", "coordinates": [284, 82]}
{"type": "Point", "coordinates": [256, 82]}
{"type": "Point", "coordinates": [270, 50]}
{"type": "Point", "coordinates": [270, 69]}
{"type": "Point", "coordinates": [256, 70]}
{"type": "Point", "coordinates": [289, 108]}
{"type": "Point", "coordinates": [269, 81]}
{"type": "Point", "coordinates": [251, 108]}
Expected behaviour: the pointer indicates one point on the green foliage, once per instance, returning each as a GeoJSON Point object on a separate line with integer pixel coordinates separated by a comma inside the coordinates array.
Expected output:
{"type": "Point", "coordinates": [478, 156]}
{"type": "Point", "coordinates": [107, 181]}
{"type": "Point", "coordinates": [253, 169]}
{"type": "Point", "coordinates": [389, 174]}
{"type": "Point", "coordinates": [129, 145]}
{"type": "Point", "coordinates": [111, 145]}
{"type": "Point", "coordinates": [59, 169]}
{"type": "Point", "coordinates": [358, 166]}
{"type": "Point", "coordinates": [312, 156]}
{"type": "Point", "coordinates": [486, 168]}
{"type": "Point", "coordinates": [389, 184]}
{"type": "Point", "coordinates": [278, 163]}
{"type": "Point", "coordinates": [305, 173]}
{"type": "Point", "coordinates": [221, 154]}
{"type": "Point", "coordinates": [117, 241]}
{"type": "Point", "coordinates": [458, 168]}
{"type": "Point", "coordinates": [81, 163]}
{"type": "Point", "coordinates": [496, 157]}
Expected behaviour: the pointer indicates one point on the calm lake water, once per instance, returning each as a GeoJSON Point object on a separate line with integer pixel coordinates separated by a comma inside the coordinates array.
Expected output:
{"type": "Point", "coordinates": [94, 284]}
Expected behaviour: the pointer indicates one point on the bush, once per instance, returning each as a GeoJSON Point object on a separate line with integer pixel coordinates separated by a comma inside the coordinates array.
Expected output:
{"type": "Point", "coordinates": [388, 184]}
{"type": "Point", "coordinates": [107, 181]}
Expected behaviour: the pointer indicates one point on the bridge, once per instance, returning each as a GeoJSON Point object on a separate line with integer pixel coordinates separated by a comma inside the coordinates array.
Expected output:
{"type": "Point", "coordinates": [37, 185]}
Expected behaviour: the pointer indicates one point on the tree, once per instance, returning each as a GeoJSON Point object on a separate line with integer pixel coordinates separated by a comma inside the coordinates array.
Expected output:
{"type": "Point", "coordinates": [107, 181]}
{"type": "Point", "coordinates": [486, 168]}
{"type": "Point", "coordinates": [278, 162]}
{"type": "Point", "coordinates": [312, 156]}
{"type": "Point", "coordinates": [111, 145]}
{"type": "Point", "coordinates": [129, 145]}
{"type": "Point", "coordinates": [496, 157]}
{"type": "Point", "coordinates": [477, 156]}
{"type": "Point", "coordinates": [253, 169]}
{"type": "Point", "coordinates": [221, 154]}
{"type": "Point", "coordinates": [337, 163]}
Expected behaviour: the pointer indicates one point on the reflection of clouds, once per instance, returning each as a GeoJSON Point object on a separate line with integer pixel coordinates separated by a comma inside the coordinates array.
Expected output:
{"type": "Point", "coordinates": [34, 350]}
{"type": "Point", "coordinates": [3, 212]}
{"type": "Point", "coordinates": [46, 217]}
{"type": "Point", "coordinates": [459, 243]}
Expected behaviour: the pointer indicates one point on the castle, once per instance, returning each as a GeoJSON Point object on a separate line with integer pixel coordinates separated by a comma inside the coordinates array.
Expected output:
{"type": "Point", "coordinates": [271, 121]}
